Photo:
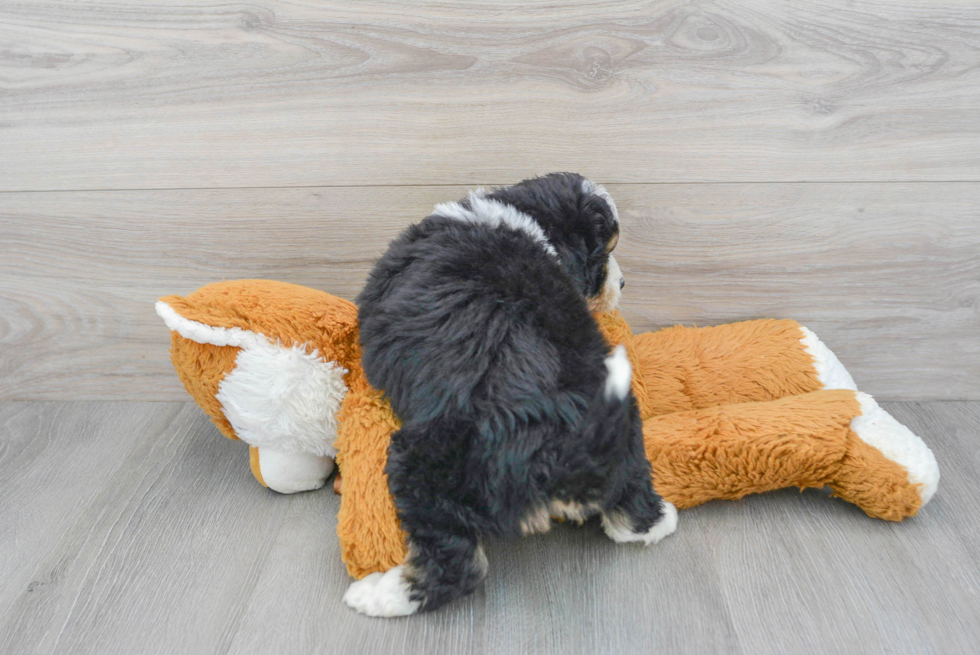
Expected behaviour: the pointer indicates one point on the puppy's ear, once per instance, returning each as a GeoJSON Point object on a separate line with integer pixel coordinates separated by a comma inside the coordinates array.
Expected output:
{"type": "Point", "coordinates": [612, 243]}
{"type": "Point", "coordinates": [601, 212]}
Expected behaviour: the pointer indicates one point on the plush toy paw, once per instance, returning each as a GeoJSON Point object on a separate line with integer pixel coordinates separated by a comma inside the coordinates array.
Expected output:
{"type": "Point", "coordinates": [382, 594]}
{"type": "Point", "coordinates": [886, 470]}
{"type": "Point", "coordinates": [290, 473]}
{"type": "Point", "coordinates": [618, 527]}
{"type": "Point", "coordinates": [879, 429]}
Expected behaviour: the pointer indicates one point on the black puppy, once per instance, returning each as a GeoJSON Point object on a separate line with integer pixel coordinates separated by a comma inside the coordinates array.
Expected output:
{"type": "Point", "coordinates": [477, 325]}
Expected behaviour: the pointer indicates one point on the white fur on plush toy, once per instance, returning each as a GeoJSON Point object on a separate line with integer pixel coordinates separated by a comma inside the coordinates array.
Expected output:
{"type": "Point", "coordinates": [281, 400]}
{"type": "Point", "coordinates": [875, 426]}
{"type": "Point", "coordinates": [879, 429]}
{"type": "Point", "coordinates": [289, 473]}
{"type": "Point", "coordinates": [830, 371]}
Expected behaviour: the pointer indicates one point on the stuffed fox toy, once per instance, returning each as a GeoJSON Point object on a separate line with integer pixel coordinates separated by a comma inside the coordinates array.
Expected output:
{"type": "Point", "coordinates": [728, 411]}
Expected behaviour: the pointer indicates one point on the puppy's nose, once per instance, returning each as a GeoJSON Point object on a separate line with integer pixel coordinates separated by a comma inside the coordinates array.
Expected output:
{"type": "Point", "coordinates": [622, 282]}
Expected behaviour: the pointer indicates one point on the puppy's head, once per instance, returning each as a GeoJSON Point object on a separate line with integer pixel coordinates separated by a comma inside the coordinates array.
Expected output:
{"type": "Point", "coordinates": [580, 221]}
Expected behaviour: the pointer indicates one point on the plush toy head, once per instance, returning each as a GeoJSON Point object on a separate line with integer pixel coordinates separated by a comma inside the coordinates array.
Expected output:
{"type": "Point", "coordinates": [270, 363]}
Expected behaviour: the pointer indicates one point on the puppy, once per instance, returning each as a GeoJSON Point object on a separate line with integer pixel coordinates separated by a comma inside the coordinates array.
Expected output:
{"type": "Point", "coordinates": [477, 324]}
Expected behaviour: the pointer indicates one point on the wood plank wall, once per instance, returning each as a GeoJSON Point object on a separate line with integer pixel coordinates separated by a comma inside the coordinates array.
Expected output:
{"type": "Point", "coordinates": [818, 160]}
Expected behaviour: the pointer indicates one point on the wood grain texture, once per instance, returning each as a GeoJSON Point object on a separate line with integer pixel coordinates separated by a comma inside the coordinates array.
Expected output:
{"type": "Point", "coordinates": [162, 560]}
{"type": "Point", "coordinates": [158, 94]}
{"type": "Point", "coordinates": [176, 549]}
{"type": "Point", "coordinates": [888, 275]}
{"type": "Point", "coordinates": [807, 573]}
{"type": "Point", "coordinates": [304, 567]}
{"type": "Point", "coordinates": [55, 460]}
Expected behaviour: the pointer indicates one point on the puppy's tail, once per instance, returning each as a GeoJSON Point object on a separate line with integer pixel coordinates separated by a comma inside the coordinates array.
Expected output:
{"type": "Point", "coordinates": [606, 423]}
{"type": "Point", "coordinates": [619, 379]}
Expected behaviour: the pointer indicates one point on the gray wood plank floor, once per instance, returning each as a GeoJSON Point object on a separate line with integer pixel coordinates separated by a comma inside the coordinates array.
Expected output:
{"type": "Point", "coordinates": [136, 528]}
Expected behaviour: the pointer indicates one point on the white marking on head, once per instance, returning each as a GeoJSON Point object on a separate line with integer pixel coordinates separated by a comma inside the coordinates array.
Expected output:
{"type": "Point", "coordinates": [588, 186]}
{"type": "Point", "coordinates": [494, 214]}
{"type": "Point", "coordinates": [620, 376]}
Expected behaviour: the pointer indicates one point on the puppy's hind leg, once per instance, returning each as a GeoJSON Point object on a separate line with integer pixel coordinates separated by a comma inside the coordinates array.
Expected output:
{"type": "Point", "coordinates": [443, 564]}
{"type": "Point", "coordinates": [385, 594]}
{"type": "Point", "coordinates": [445, 560]}
{"type": "Point", "coordinates": [640, 515]}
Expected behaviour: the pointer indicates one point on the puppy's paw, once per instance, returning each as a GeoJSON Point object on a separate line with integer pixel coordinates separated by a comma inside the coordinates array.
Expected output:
{"type": "Point", "coordinates": [664, 527]}
{"type": "Point", "coordinates": [382, 594]}
{"type": "Point", "coordinates": [619, 527]}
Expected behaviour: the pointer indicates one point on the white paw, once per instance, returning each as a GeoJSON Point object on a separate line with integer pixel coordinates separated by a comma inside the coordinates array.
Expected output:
{"type": "Point", "coordinates": [618, 527]}
{"type": "Point", "coordinates": [879, 429]}
{"type": "Point", "coordinates": [382, 594]}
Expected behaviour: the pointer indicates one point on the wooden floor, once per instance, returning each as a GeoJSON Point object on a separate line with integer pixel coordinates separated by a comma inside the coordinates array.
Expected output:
{"type": "Point", "coordinates": [814, 160]}
{"type": "Point", "coordinates": [137, 528]}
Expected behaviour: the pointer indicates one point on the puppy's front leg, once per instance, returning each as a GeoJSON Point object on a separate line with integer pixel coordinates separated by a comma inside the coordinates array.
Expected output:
{"type": "Point", "coordinates": [641, 514]}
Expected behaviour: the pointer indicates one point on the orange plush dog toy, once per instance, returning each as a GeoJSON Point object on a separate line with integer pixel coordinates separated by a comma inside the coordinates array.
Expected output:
{"type": "Point", "coordinates": [728, 410]}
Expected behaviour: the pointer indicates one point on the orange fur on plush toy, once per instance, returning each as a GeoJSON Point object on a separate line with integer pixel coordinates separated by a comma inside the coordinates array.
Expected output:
{"type": "Point", "coordinates": [728, 410]}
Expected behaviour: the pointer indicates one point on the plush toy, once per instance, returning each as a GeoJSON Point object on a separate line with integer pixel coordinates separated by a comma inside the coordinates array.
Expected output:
{"type": "Point", "coordinates": [728, 410]}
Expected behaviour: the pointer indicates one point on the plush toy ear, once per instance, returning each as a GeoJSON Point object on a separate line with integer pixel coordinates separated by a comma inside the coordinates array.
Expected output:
{"type": "Point", "coordinates": [283, 313]}
{"type": "Point", "coordinates": [199, 363]}
{"type": "Point", "coordinates": [202, 321]}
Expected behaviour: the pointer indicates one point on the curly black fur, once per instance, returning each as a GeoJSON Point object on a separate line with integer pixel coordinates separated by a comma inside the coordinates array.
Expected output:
{"type": "Point", "coordinates": [484, 342]}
